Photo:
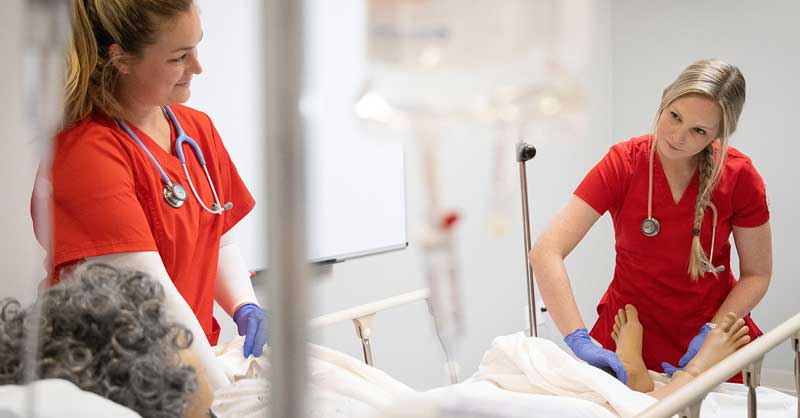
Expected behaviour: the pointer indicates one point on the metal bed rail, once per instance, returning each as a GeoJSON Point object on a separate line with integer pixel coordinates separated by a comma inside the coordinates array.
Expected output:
{"type": "Point", "coordinates": [687, 400]}
{"type": "Point", "coordinates": [362, 316]}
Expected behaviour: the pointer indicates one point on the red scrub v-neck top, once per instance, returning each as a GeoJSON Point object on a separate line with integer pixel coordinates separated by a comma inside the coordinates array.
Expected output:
{"type": "Point", "coordinates": [107, 197]}
{"type": "Point", "coordinates": [651, 273]}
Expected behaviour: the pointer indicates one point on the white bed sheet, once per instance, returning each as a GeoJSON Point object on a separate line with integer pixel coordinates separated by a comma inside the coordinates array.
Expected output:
{"type": "Point", "coordinates": [518, 377]}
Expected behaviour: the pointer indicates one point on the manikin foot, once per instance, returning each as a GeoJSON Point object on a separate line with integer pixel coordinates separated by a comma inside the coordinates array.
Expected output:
{"type": "Point", "coordinates": [722, 341]}
{"type": "Point", "coordinates": [628, 336]}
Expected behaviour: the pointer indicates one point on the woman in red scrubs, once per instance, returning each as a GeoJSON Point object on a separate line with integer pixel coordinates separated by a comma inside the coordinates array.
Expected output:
{"type": "Point", "coordinates": [668, 193]}
{"type": "Point", "coordinates": [116, 163]}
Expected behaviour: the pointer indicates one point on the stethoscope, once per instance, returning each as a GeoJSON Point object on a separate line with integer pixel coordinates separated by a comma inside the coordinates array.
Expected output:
{"type": "Point", "coordinates": [174, 193]}
{"type": "Point", "coordinates": [651, 227]}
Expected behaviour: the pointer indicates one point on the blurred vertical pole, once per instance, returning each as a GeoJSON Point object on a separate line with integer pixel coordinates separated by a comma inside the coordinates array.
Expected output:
{"type": "Point", "coordinates": [287, 269]}
{"type": "Point", "coordinates": [47, 28]}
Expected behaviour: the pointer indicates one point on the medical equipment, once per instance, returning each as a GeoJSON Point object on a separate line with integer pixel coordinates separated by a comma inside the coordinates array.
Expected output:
{"type": "Point", "coordinates": [283, 40]}
{"type": "Point", "coordinates": [362, 316]}
{"type": "Point", "coordinates": [651, 227]}
{"type": "Point", "coordinates": [435, 61]}
{"type": "Point", "coordinates": [47, 27]}
{"type": "Point", "coordinates": [525, 152]}
{"type": "Point", "coordinates": [174, 193]}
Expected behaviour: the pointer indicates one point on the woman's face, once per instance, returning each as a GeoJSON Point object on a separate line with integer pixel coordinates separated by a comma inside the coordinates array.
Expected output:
{"type": "Point", "coordinates": [163, 73]}
{"type": "Point", "coordinates": [686, 126]}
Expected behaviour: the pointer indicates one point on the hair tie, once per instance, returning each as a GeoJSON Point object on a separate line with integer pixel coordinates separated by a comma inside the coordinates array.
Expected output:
{"type": "Point", "coordinates": [696, 232]}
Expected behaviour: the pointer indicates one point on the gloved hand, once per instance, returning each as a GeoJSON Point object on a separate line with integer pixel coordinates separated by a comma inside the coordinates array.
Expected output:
{"type": "Point", "coordinates": [583, 347]}
{"type": "Point", "coordinates": [694, 346]}
{"type": "Point", "coordinates": [253, 323]}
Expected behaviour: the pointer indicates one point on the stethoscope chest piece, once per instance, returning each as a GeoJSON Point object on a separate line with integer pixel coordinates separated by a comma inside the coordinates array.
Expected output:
{"type": "Point", "coordinates": [650, 227]}
{"type": "Point", "coordinates": [175, 195]}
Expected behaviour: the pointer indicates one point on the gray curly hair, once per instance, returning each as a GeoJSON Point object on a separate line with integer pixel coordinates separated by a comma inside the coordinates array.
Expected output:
{"type": "Point", "coordinates": [104, 330]}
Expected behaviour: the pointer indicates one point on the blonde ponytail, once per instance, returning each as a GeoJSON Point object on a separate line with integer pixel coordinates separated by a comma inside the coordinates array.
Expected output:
{"type": "Point", "coordinates": [96, 25]}
{"type": "Point", "coordinates": [82, 60]}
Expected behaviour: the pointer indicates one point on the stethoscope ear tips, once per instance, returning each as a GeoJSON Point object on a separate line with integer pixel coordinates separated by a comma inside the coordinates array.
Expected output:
{"type": "Point", "coordinates": [220, 210]}
{"type": "Point", "coordinates": [709, 269]}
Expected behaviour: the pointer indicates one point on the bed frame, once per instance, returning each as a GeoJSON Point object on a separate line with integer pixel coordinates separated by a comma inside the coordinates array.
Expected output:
{"type": "Point", "coordinates": [362, 316]}
{"type": "Point", "coordinates": [687, 400]}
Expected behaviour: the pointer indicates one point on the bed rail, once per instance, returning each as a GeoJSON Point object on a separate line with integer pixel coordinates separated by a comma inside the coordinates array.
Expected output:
{"type": "Point", "coordinates": [686, 401]}
{"type": "Point", "coordinates": [362, 316]}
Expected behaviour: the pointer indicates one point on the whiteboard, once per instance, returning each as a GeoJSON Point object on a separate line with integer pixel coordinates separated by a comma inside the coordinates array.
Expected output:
{"type": "Point", "coordinates": [355, 191]}
{"type": "Point", "coordinates": [355, 196]}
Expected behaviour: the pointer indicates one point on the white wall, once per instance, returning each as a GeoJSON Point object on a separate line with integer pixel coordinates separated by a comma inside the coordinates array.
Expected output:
{"type": "Point", "coordinates": [653, 42]}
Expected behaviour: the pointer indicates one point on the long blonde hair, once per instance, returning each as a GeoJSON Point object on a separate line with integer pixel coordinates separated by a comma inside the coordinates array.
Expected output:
{"type": "Point", "coordinates": [96, 25]}
{"type": "Point", "coordinates": [724, 84]}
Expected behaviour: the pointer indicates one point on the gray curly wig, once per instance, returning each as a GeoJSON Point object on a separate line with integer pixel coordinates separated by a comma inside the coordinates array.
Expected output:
{"type": "Point", "coordinates": [104, 330]}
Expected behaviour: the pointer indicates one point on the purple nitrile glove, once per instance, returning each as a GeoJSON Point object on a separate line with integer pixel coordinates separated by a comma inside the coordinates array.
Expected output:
{"type": "Point", "coordinates": [253, 323]}
{"type": "Point", "coordinates": [694, 347]}
{"type": "Point", "coordinates": [586, 350]}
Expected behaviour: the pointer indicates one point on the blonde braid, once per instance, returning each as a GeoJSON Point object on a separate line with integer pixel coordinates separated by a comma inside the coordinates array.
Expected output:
{"type": "Point", "coordinates": [698, 261]}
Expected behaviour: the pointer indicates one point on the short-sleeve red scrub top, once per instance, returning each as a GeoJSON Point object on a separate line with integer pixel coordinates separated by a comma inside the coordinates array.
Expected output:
{"type": "Point", "coordinates": [107, 197]}
{"type": "Point", "coordinates": [651, 272]}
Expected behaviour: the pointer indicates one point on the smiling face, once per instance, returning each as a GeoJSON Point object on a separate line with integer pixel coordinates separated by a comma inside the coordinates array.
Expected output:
{"type": "Point", "coordinates": [162, 73]}
{"type": "Point", "coordinates": [686, 126]}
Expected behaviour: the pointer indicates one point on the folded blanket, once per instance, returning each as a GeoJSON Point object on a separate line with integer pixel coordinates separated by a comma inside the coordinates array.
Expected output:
{"type": "Point", "coordinates": [538, 366]}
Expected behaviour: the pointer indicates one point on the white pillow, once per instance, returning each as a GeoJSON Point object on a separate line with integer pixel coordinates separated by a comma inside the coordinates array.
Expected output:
{"type": "Point", "coordinates": [57, 398]}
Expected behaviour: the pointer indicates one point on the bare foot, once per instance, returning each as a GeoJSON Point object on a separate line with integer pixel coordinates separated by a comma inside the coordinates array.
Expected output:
{"type": "Point", "coordinates": [628, 336]}
{"type": "Point", "coordinates": [722, 341]}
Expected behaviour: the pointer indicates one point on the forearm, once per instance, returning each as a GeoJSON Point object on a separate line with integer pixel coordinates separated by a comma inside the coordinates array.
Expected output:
{"type": "Point", "coordinates": [749, 290]}
{"type": "Point", "coordinates": [234, 287]}
{"type": "Point", "coordinates": [555, 289]}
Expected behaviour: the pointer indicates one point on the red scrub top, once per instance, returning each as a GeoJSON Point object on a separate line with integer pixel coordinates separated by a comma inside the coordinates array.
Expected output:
{"type": "Point", "coordinates": [651, 272]}
{"type": "Point", "coordinates": [107, 197]}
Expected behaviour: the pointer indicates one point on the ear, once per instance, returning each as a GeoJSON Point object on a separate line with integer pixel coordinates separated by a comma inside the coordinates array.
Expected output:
{"type": "Point", "coordinates": [119, 58]}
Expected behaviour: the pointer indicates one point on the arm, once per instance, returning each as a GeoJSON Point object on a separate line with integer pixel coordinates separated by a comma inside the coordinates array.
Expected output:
{"type": "Point", "coordinates": [234, 287]}
{"type": "Point", "coordinates": [234, 292]}
{"type": "Point", "coordinates": [560, 237]}
{"type": "Point", "coordinates": [176, 307]}
{"type": "Point", "coordinates": [754, 246]}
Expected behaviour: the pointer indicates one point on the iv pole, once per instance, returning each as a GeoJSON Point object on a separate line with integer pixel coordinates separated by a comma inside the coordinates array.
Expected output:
{"type": "Point", "coordinates": [285, 175]}
{"type": "Point", "coordinates": [526, 152]}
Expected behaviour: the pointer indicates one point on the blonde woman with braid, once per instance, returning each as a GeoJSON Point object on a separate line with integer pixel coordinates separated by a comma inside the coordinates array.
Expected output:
{"type": "Point", "coordinates": [675, 197]}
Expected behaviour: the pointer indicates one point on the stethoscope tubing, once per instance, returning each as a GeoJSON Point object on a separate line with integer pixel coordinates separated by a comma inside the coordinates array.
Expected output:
{"type": "Point", "coordinates": [180, 140]}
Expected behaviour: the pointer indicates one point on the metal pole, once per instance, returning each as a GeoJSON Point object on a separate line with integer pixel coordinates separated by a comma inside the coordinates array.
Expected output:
{"type": "Point", "coordinates": [693, 410]}
{"type": "Point", "coordinates": [796, 344]}
{"type": "Point", "coordinates": [287, 267]}
{"type": "Point", "coordinates": [47, 28]}
{"type": "Point", "coordinates": [524, 153]}
{"type": "Point", "coordinates": [364, 332]}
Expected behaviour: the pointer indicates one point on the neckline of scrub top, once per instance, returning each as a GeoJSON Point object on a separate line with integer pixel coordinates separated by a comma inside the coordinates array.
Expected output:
{"type": "Point", "coordinates": [154, 147]}
{"type": "Point", "coordinates": [661, 177]}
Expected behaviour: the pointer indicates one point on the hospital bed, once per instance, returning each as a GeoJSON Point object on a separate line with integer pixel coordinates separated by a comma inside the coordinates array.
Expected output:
{"type": "Point", "coordinates": [518, 374]}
